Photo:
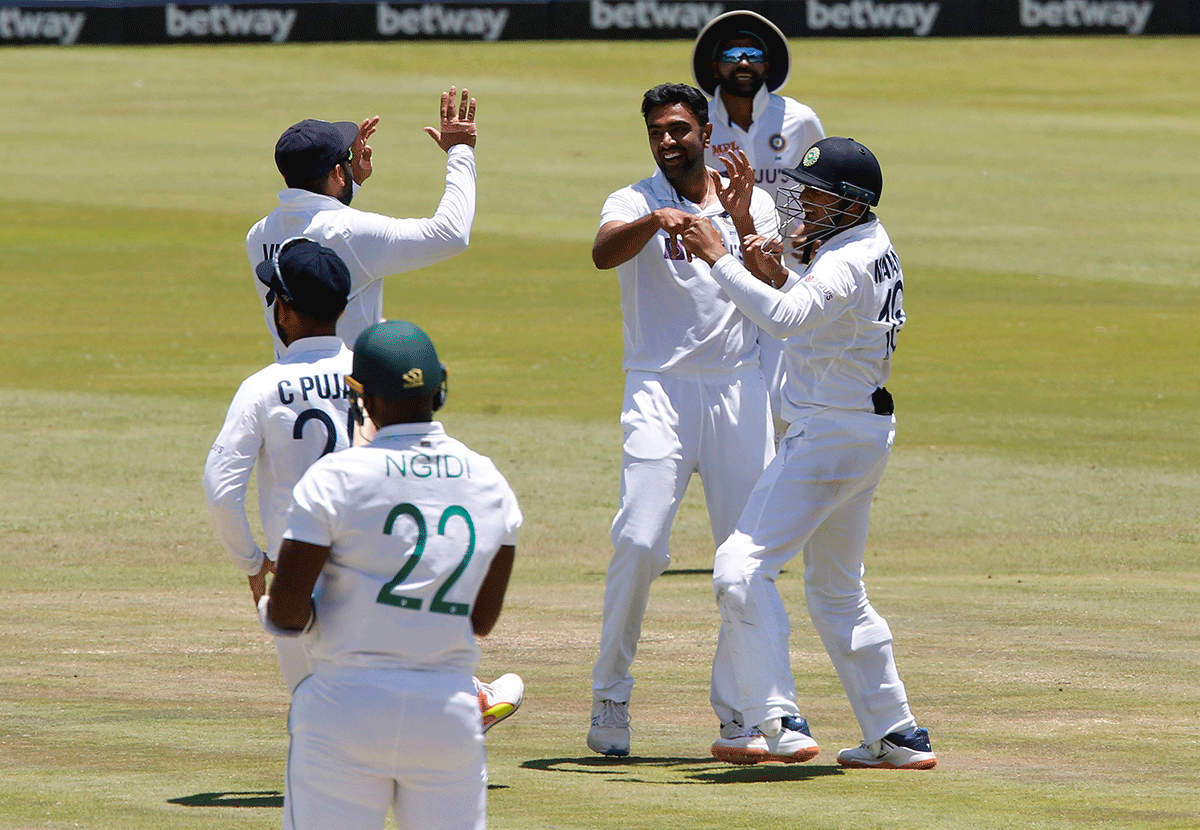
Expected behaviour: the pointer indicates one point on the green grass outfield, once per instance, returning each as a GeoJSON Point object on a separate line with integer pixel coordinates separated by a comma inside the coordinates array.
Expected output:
{"type": "Point", "coordinates": [1035, 543]}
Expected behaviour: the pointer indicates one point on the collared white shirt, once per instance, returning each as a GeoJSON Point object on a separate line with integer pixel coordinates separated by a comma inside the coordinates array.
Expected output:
{"type": "Point", "coordinates": [372, 245]}
{"type": "Point", "coordinates": [675, 316]}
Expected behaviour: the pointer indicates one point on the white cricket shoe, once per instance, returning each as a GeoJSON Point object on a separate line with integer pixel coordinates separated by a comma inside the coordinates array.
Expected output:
{"type": "Point", "coordinates": [786, 740]}
{"type": "Point", "coordinates": [899, 750]}
{"type": "Point", "coordinates": [500, 698]}
{"type": "Point", "coordinates": [609, 734]}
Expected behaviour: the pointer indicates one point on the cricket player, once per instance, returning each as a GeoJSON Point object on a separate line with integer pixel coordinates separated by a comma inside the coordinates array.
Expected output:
{"type": "Point", "coordinates": [740, 59]}
{"type": "Point", "coordinates": [695, 400]}
{"type": "Point", "coordinates": [323, 164]}
{"type": "Point", "coordinates": [840, 318]}
{"type": "Point", "coordinates": [285, 417]}
{"type": "Point", "coordinates": [413, 538]}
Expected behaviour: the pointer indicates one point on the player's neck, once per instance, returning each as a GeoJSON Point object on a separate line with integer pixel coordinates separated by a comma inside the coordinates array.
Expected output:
{"type": "Point", "coordinates": [696, 187]}
{"type": "Point", "coordinates": [740, 109]}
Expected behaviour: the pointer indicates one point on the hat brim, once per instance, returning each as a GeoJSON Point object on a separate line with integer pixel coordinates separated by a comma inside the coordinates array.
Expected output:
{"type": "Point", "coordinates": [348, 130]}
{"type": "Point", "coordinates": [722, 27]}
{"type": "Point", "coordinates": [265, 271]}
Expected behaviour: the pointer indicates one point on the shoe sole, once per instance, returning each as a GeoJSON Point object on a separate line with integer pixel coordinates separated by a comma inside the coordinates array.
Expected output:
{"type": "Point", "coordinates": [496, 713]}
{"type": "Point", "coordinates": [928, 763]}
{"type": "Point", "coordinates": [745, 756]}
{"type": "Point", "coordinates": [611, 751]}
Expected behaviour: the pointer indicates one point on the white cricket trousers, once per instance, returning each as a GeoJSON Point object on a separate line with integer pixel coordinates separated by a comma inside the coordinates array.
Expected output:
{"type": "Point", "coordinates": [815, 496]}
{"type": "Point", "coordinates": [676, 424]}
{"type": "Point", "coordinates": [770, 357]}
{"type": "Point", "coordinates": [294, 665]}
{"type": "Point", "coordinates": [366, 740]}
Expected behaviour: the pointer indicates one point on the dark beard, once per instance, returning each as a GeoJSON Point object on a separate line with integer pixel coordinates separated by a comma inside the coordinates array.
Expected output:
{"type": "Point", "coordinates": [348, 191]}
{"type": "Point", "coordinates": [730, 86]}
{"type": "Point", "coordinates": [283, 338]}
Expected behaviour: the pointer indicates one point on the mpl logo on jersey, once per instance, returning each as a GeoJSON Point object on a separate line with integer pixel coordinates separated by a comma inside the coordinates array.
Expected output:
{"type": "Point", "coordinates": [1131, 17]}
{"type": "Point", "coordinates": [61, 27]}
{"type": "Point", "coordinates": [870, 16]}
{"type": "Point", "coordinates": [228, 22]}
{"type": "Point", "coordinates": [433, 20]}
{"type": "Point", "coordinates": [652, 14]}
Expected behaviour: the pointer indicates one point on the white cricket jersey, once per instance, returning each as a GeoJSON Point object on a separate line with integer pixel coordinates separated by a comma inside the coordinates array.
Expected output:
{"type": "Point", "coordinates": [282, 419]}
{"type": "Point", "coordinates": [782, 131]}
{"type": "Point", "coordinates": [372, 245]}
{"type": "Point", "coordinates": [675, 317]}
{"type": "Point", "coordinates": [839, 319]}
{"type": "Point", "coordinates": [413, 521]}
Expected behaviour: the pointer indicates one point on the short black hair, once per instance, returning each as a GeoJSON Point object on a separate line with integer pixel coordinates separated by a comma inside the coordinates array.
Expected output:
{"type": "Point", "coordinates": [668, 94]}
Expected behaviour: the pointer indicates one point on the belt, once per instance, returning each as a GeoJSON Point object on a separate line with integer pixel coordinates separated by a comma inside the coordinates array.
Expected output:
{"type": "Point", "coordinates": [882, 399]}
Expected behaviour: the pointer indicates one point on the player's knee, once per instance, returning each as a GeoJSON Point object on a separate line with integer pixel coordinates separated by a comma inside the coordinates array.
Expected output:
{"type": "Point", "coordinates": [643, 556]}
{"type": "Point", "coordinates": [848, 629]}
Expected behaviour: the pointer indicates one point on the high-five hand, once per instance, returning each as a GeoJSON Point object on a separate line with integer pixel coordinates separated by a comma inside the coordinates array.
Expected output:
{"type": "Point", "coordinates": [458, 121]}
{"type": "Point", "coordinates": [360, 151]}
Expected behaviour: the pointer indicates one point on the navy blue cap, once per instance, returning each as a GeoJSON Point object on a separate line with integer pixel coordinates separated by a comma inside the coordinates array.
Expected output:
{"type": "Point", "coordinates": [842, 166]}
{"type": "Point", "coordinates": [307, 276]}
{"type": "Point", "coordinates": [311, 148]}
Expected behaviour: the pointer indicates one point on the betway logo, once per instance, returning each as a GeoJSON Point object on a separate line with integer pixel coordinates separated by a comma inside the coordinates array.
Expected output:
{"type": "Point", "coordinates": [435, 19]}
{"type": "Point", "coordinates": [275, 24]}
{"type": "Point", "coordinates": [867, 14]}
{"type": "Point", "coordinates": [653, 14]}
{"type": "Point", "coordinates": [18, 24]}
{"type": "Point", "coordinates": [1117, 14]}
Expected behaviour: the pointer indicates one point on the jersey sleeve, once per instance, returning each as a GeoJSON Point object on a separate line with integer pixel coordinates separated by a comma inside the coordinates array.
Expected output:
{"type": "Point", "coordinates": [384, 245]}
{"type": "Point", "coordinates": [811, 300]}
{"type": "Point", "coordinates": [513, 518]}
{"type": "Point", "coordinates": [624, 205]}
{"type": "Point", "coordinates": [227, 475]}
{"type": "Point", "coordinates": [314, 507]}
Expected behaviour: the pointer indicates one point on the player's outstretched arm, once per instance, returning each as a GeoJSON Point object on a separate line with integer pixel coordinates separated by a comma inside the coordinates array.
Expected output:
{"type": "Point", "coordinates": [762, 258]}
{"type": "Point", "coordinates": [457, 121]}
{"type": "Point", "coordinates": [290, 604]}
{"type": "Point", "coordinates": [491, 593]}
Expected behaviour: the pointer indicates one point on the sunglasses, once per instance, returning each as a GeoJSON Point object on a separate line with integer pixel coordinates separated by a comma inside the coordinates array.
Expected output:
{"type": "Point", "coordinates": [737, 54]}
{"type": "Point", "coordinates": [278, 286]}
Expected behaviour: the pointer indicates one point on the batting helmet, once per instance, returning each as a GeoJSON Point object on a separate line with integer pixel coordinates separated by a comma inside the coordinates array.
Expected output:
{"type": "Point", "coordinates": [735, 24]}
{"type": "Point", "coordinates": [838, 166]}
{"type": "Point", "coordinates": [396, 359]}
{"type": "Point", "coordinates": [841, 166]}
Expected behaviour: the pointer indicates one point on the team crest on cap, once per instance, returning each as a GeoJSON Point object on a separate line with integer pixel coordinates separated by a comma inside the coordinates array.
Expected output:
{"type": "Point", "coordinates": [414, 379]}
{"type": "Point", "coordinates": [811, 157]}
{"type": "Point", "coordinates": [777, 142]}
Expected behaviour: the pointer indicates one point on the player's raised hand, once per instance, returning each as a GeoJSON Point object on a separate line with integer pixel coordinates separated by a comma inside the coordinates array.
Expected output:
{"type": "Point", "coordinates": [360, 164]}
{"type": "Point", "coordinates": [736, 197]}
{"type": "Point", "coordinates": [458, 121]}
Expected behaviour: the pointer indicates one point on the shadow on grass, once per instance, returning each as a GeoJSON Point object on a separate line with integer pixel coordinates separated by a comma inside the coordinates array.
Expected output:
{"type": "Point", "coordinates": [267, 798]}
{"type": "Point", "coordinates": [691, 770]}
